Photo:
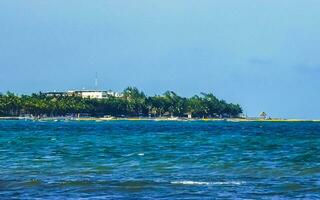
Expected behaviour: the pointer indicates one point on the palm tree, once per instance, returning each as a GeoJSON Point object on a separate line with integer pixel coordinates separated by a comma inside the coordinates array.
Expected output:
{"type": "Point", "coordinates": [132, 103]}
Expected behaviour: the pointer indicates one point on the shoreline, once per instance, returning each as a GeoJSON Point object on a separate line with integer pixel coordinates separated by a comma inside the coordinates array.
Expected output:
{"type": "Point", "coordinates": [100, 119]}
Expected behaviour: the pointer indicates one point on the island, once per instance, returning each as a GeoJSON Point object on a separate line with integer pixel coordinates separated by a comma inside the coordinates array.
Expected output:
{"type": "Point", "coordinates": [131, 103]}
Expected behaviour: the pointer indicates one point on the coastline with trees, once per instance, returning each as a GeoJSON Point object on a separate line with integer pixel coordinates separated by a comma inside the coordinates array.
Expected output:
{"type": "Point", "coordinates": [132, 103]}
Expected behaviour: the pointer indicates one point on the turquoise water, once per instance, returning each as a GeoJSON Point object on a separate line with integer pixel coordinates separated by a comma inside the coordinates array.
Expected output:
{"type": "Point", "coordinates": [159, 160]}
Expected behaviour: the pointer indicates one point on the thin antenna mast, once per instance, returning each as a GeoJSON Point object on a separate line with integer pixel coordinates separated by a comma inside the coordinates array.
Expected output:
{"type": "Point", "coordinates": [96, 81]}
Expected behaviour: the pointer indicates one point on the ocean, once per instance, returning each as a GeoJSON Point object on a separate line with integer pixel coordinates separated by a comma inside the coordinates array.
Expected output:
{"type": "Point", "coordinates": [159, 160]}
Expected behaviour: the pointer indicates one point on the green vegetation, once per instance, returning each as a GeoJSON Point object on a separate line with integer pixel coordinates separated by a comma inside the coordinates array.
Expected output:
{"type": "Point", "coordinates": [133, 103]}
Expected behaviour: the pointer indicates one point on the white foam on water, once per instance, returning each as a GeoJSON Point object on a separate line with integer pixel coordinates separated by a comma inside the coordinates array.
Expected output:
{"type": "Point", "coordinates": [141, 154]}
{"type": "Point", "coordinates": [48, 157]}
{"type": "Point", "coordinates": [130, 154]}
{"type": "Point", "coordinates": [208, 183]}
{"type": "Point", "coordinates": [190, 183]}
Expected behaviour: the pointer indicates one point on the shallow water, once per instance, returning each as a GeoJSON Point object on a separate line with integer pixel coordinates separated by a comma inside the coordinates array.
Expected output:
{"type": "Point", "coordinates": [159, 160]}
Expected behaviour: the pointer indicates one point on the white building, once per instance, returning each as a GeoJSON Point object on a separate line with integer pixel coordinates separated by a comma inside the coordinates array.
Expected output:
{"type": "Point", "coordinates": [93, 94]}
{"type": "Point", "coordinates": [88, 94]}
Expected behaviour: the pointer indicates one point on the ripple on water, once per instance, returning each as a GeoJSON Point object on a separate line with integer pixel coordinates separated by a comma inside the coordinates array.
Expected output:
{"type": "Point", "coordinates": [235, 183]}
{"type": "Point", "coordinates": [168, 160]}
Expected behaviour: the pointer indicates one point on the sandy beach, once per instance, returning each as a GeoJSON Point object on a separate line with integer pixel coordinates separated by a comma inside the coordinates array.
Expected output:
{"type": "Point", "coordinates": [156, 119]}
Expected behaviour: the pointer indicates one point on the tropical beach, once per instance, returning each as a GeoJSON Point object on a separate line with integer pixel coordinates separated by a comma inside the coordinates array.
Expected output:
{"type": "Point", "coordinates": [131, 103]}
{"type": "Point", "coordinates": [99, 119]}
{"type": "Point", "coordinates": [159, 100]}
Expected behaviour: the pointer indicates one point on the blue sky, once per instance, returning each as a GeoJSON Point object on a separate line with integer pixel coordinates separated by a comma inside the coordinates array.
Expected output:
{"type": "Point", "coordinates": [263, 55]}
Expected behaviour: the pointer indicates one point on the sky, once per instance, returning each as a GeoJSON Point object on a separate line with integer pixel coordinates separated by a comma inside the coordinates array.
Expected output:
{"type": "Point", "coordinates": [263, 55]}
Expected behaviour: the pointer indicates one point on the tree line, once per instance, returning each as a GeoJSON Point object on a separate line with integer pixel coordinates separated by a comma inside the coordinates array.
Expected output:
{"type": "Point", "coordinates": [132, 103]}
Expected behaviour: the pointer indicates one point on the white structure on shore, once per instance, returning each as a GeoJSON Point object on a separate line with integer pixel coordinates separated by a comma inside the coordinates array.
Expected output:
{"type": "Point", "coordinates": [93, 94]}
{"type": "Point", "coordinates": [87, 94]}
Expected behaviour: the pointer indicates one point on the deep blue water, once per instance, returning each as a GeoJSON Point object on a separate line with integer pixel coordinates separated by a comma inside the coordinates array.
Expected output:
{"type": "Point", "coordinates": [159, 160]}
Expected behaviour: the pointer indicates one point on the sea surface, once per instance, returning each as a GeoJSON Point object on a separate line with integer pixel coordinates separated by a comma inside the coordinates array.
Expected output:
{"type": "Point", "coordinates": [159, 160]}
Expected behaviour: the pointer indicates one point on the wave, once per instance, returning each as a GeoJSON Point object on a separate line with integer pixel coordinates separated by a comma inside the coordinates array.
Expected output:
{"type": "Point", "coordinates": [207, 183]}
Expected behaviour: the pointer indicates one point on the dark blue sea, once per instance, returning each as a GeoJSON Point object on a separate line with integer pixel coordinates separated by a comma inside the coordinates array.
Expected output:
{"type": "Point", "coordinates": [159, 160]}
